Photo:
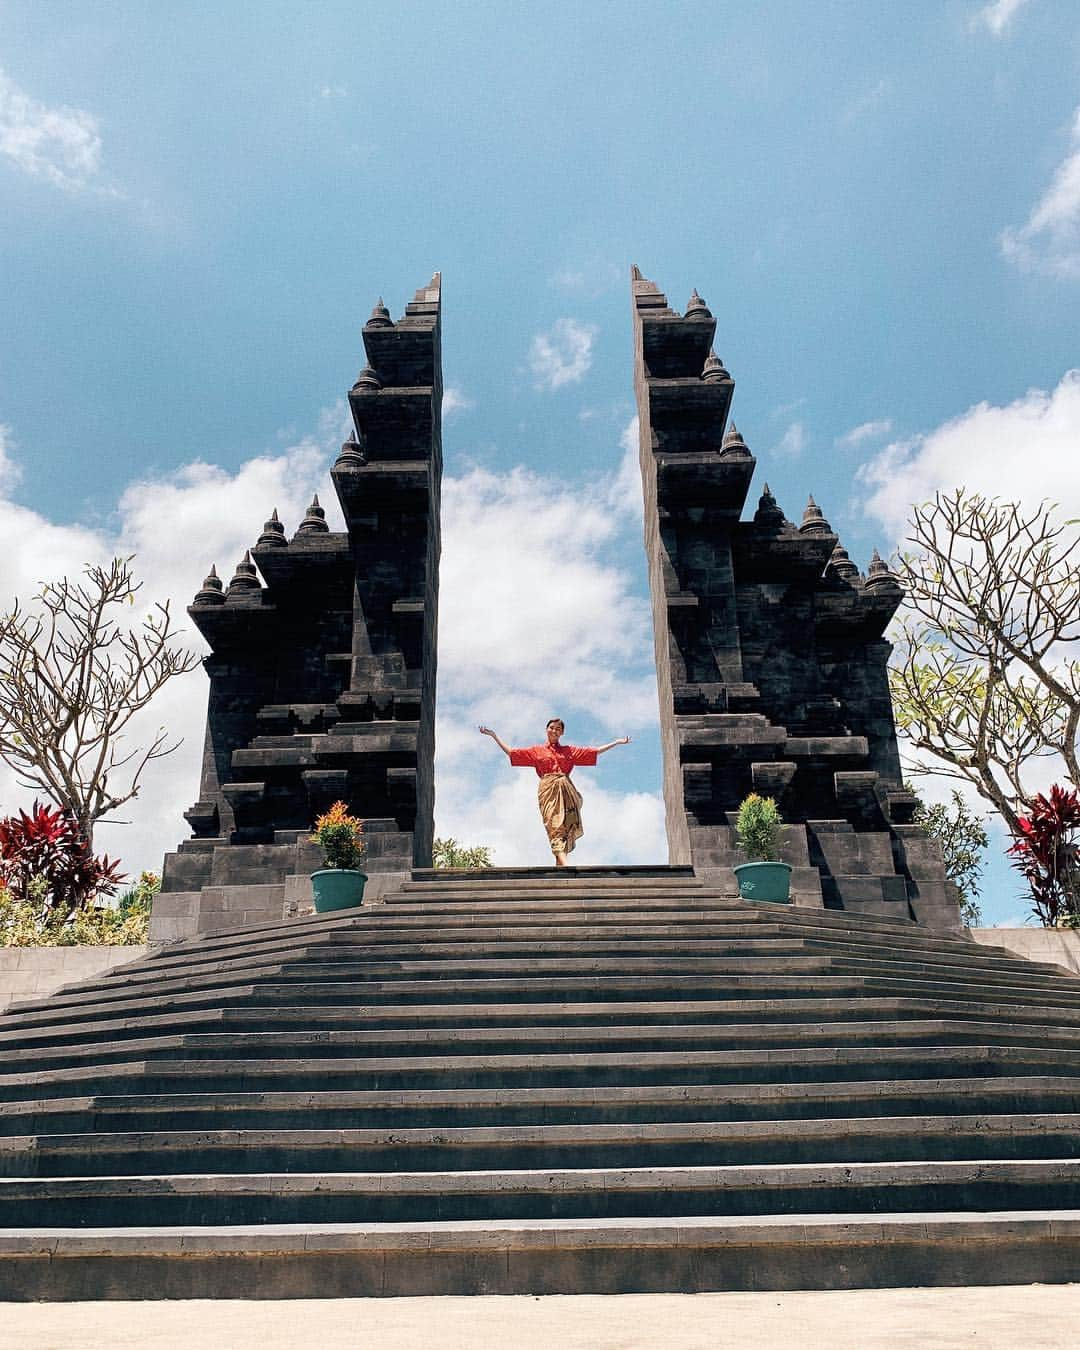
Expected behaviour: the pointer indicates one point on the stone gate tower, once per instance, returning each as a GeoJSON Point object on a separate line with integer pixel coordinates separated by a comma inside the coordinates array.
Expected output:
{"type": "Point", "coordinates": [322, 672]}
{"type": "Point", "coordinates": [770, 655]}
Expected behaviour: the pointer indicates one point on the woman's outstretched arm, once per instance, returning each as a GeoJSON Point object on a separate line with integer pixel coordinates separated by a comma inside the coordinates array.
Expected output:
{"type": "Point", "coordinates": [623, 740]}
{"type": "Point", "coordinates": [487, 731]}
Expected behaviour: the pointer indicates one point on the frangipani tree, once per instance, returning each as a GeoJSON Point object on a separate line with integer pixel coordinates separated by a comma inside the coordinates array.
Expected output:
{"type": "Point", "coordinates": [73, 675]}
{"type": "Point", "coordinates": [986, 677]}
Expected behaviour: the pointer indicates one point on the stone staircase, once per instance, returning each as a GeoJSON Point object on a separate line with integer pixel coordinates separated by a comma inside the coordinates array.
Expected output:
{"type": "Point", "coordinates": [608, 1080]}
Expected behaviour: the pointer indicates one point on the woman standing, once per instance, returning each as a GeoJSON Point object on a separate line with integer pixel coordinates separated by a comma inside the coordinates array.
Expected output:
{"type": "Point", "coordinates": [560, 801]}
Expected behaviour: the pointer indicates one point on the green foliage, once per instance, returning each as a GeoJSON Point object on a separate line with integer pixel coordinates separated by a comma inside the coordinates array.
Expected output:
{"type": "Point", "coordinates": [758, 828]}
{"type": "Point", "coordinates": [123, 924]}
{"type": "Point", "coordinates": [449, 853]}
{"type": "Point", "coordinates": [963, 839]}
{"type": "Point", "coordinates": [341, 836]}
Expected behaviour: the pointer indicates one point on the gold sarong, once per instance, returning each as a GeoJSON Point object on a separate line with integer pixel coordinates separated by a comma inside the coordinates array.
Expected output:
{"type": "Point", "coordinates": [560, 810]}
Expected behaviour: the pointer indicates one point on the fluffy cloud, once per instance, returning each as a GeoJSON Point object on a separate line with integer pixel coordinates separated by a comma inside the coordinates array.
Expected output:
{"type": "Point", "coordinates": [563, 355]}
{"type": "Point", "coordinates": [997, 15]}
{"type": "Point", "coordinates": [531, 613]}
{"type": "Point", "coordinates": [455, 401]}
{"type": "Point", "coordinates": [1050, 240]}
{"type": "Point", "coordinates": [793, 442]}
{"type": "Point", "coordinates": [1024, 451]}
{"type": "Point", "coordinates": [61, 145]}
{"type": "Point", "coordinates": [535, 617]}
{"type": "Point", "coordinates": [865, 431]}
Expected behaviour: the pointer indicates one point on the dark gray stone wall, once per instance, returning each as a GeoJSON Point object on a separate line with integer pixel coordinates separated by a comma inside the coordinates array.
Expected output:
{"type": "Point", "coordinates": [771, 660]}
{"type": "Point", "coordinates": [322, 671]}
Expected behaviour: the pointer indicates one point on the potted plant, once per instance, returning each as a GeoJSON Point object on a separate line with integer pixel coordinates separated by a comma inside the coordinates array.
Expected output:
{"type": "Point", "coordinates": [757, 830]}
{"type": "Point", "coordinates": [340, 885]}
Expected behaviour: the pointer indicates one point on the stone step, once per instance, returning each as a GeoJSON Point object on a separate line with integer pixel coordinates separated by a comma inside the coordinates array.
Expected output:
{"type": "Point", "coordinates": [538, 1256]}
{"type": "Point", "coordinates": [470, 1039]}
{"type": "Point", "coordinates": [713, 941]}
{"type": "Point", "coordinates": [487, 960]}
{"type": "Point", "coordinates": [802, 993]}
{"type": "Point", "coordinates": [1021, 1136]}
{"type": "Point", "coordinates": [810, 1074]}
{"type": "Point", "coordinates": [624, 874]}
{"type": "Point", "coordinates": [797, 1089]}
{"type": "Point", "coordinates": [553, 1193]}
{"type": "Point", "coordinates": [782, 1017]}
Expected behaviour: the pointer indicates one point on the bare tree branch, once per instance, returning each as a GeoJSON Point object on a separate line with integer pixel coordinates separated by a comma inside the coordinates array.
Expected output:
{"type": "Point", "coordinates": [72, 676]}
{"type": "Point", "coordinates": [981, 681]}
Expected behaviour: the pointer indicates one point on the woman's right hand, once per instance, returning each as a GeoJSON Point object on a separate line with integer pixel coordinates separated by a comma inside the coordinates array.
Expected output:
{"type": "Point", "coordinates": [487, 731]}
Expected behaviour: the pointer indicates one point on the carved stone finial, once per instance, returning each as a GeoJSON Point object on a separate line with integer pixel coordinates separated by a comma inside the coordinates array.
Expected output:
{"type": "Point", "coordinates": [878, 574]}
{"type": "Point", "coordinates": [697, 308]}
{"type": "Point", "coordinates": [244, 578]}
{"type": "Point", "coordinates": [813, 521]}
{"type": "Point", "coordinates": [714, 370]}
{"type": "Point", "coordinates": [273, 533]}
{"type": "Point", "coordinates": [367, 382]}
{"type": "Point", "coordinates": [768, 512]}
{"type": "Point", "coordinates": [314, 521]}
{"type": "Point", "coordinates": [212, 592]}
{"type": "Point", "coordinates": [734, 447]}
{"type": "Point", "coordinates": [352, 451]}
{"type": "Point", "coordinates": [380, 316]}
{"type": "Point", "coordinates": [840, 565]}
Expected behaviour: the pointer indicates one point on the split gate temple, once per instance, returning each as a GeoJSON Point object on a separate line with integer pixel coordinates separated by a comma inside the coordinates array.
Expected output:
{"type": "Point", "coordinates": [601, 1080]}
{"type": "Point", "coordinates": [770, 657]}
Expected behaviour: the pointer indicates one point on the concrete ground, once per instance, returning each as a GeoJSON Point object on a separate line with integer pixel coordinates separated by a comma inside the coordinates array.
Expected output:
{"type": "Point", "coordinates": [1015, 1317]}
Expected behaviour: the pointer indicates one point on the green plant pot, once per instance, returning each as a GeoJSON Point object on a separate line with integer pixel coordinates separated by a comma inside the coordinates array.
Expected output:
{"type": "Point", "coordinates": [337, 888]}
{"type": "Point", "coordinates": [765, 881]}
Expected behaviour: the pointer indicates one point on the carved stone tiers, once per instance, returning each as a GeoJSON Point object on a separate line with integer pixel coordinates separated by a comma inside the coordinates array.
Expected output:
{"type": "Point", "coordinates": [322, 673]}
{"type": "Point", "coordinates": [770, 655]}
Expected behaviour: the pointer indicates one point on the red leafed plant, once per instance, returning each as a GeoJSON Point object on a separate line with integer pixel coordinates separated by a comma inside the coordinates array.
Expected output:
{"type": "Point", "coordinates": [44, 857]}
{"type": "Point", "coordinates": [1047, 855]}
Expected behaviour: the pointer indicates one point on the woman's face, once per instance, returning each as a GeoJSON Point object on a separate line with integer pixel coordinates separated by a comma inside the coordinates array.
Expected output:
{"type": "Point", "coordinates": [554, 731]}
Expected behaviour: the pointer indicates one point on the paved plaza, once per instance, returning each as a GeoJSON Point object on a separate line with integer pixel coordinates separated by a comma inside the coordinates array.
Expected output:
{"type": "Point", "coordinates": [1015, 1317]}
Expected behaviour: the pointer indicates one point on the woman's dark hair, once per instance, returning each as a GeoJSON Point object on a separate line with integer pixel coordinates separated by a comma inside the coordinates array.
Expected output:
{"type": "Point", "coordinates": [555, 719]}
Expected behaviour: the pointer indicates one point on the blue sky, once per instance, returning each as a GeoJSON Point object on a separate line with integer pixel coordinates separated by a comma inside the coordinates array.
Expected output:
{"type": "Point", "coordinates": [880, 203]}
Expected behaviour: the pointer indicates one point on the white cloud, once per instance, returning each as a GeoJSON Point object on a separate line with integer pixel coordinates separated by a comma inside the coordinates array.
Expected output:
{"type": "Point", "coordinates": [563, 355]}
{"type": "Point", "coordinates": [1024, 451]}
{"type": "Point", "coordinates": [625, 491]}
{"type": "Point", "coordinates": [865, 431]}
{"type": "Point", "coordinates": [10, 469]}
{"type": "Point", "coordinates": [530, 607]}
{"type": "Point", "coordinates": [997, 15]}
{"type": "Point", "coordinates": [330, 91]}
{"type": "Point", "coordinates": [589, 279]}
{"type": "Point", "coordinates": [61, 145]}
{"type": "Point", "coordinates": [455, 401]}
{"type": "Point", "coordinates": [1050, 241]}
{"type": "Point", "coordinates": [793, 441]}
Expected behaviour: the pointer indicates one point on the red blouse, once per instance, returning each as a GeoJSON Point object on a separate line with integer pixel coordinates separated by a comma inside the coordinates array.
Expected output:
{"type": "Point", "coordinates": [553, 758]}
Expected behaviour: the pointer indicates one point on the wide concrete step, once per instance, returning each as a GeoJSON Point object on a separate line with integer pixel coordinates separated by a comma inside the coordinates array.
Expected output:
{"type": "Point", "coordinates": [852, 1090]}
{"type": "Point", "coordinates": [1021, 1136]}
{"type": "Point", "coordinates": [542, 1256]}
{"type": "Point", "coordinates": [350, 962]}
{"type": "Point", "coordinates": [798, 1082]}
{"type": "Point", "coordinates": [750, 1021]}
{"type": "Point", "coordinates": [552, 1193]}
{"type": "Point", "coordinates": [562, 1000]}
{"type": "Point", "coordinates": [130, 1043]}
